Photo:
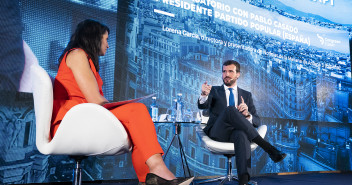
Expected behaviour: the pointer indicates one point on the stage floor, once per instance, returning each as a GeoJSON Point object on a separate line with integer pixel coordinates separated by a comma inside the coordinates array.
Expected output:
{"type": "Point", "coordinates": [321, 178]}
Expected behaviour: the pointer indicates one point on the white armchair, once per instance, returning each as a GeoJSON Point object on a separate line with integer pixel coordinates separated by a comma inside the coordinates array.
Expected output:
{"type": "Point", "coordinates": [87, 129]}
{"type": "Point", "coordinates": [226, 149]}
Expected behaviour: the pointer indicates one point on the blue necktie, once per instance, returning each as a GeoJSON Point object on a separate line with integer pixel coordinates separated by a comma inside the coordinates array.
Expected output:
{"type": "Point", "coordinates": [231, 98]}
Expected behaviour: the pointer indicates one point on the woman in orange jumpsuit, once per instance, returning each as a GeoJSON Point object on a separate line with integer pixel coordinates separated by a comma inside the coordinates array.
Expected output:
{"type": "Point", "coordinates": [78, 81]}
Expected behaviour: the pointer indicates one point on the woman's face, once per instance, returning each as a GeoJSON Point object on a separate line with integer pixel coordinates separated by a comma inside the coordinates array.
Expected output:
{"type": "Point", "coordinates": [104, 44]}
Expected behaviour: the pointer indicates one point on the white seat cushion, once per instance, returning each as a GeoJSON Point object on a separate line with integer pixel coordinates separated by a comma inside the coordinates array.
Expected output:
{"type": "Point", "coordinates": [217, 147]}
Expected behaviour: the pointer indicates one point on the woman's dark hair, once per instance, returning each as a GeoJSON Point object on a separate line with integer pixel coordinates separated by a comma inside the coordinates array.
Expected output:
{"type": "Point", "coordinates": [87, 36]}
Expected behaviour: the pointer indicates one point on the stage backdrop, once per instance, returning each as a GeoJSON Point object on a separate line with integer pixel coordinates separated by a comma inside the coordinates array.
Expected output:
{"type": "Point", "coordinates": [294, 56]}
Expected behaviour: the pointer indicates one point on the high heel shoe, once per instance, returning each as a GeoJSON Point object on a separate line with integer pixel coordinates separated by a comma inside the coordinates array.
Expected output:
{"type": "Point", "coordinates": [153, 179]}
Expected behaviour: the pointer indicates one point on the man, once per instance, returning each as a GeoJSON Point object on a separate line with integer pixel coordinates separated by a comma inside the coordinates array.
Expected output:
{"type": "Point", "coordinates": [233, 118]}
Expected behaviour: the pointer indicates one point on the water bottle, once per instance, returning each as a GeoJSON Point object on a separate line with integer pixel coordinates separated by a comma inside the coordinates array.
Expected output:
{"type": "Point", "coordinates": [179, 108]}
{"type": "Point", "coordinates": [154, 109]}
{"type": "Point", "coordinates": [172, 111]}
{"type": "Point", "coordinates": [188, 115]}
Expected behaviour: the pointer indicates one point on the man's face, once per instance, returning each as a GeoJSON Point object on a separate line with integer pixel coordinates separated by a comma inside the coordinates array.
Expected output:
{"type": "Point", "coordinates": [229, 75]}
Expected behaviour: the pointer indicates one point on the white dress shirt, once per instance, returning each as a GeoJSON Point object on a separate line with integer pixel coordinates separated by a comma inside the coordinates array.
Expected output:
{"type": "Point", "coordinates": [235, 93]}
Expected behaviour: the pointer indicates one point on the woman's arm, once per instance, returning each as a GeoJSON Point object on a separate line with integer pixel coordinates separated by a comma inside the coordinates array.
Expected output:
{"type": "Point", "coordinates": [78, 62]}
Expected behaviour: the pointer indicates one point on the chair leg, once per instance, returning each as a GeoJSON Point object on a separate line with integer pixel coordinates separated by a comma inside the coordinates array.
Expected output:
{"type": "Point", "coordinates": [213, 180]}
{"type": "Point", "coordinates": [77, 172]}
{"type": "Point", "coordinates": [229, 176]}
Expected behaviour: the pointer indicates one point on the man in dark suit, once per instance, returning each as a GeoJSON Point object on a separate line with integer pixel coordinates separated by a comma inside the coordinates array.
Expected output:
{"type": "Point", "coordinates": [233, 118]}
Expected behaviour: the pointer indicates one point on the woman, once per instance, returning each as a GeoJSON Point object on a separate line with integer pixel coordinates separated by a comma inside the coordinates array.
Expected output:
{"type": "Point", "coordinates": [78, 81]}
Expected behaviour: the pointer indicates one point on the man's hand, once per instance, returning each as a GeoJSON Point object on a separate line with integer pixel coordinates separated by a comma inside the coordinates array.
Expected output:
{"type": "Point", "coordinates": [206, 89]}
{"type": "Point", "coordinates": [243, 108]}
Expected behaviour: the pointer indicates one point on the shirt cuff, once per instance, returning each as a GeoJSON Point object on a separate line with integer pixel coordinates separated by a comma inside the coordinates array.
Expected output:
{"type": "Point", "coordinates": [202, 99]}
{"type": "Point", "coordinates": [250, 118]}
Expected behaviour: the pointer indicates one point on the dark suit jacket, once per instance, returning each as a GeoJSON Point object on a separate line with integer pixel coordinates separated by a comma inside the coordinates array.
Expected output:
{"type": "Point", "coordinates": [217, 103]}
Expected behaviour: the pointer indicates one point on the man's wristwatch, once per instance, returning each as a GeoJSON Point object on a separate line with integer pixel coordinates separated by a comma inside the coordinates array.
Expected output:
{"type": "Point", "coordinates": [249, 115]}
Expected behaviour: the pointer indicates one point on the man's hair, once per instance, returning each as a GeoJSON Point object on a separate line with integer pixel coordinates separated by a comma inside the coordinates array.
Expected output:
{"type": "Point", "coordinates": [87, 36]}
{"type": "Point", "coordinates": [230, 62]}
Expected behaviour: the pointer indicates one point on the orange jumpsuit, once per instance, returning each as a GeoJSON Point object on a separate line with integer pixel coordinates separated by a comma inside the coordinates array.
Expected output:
{"type": "Point", "coordinates": [134, 117]}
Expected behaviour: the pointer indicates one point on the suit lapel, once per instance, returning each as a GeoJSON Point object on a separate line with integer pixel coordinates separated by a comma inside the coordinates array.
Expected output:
{"type": "Point", "coordinates": [239, 92]}
{"type": "Point", "coordinates": [223, 95]}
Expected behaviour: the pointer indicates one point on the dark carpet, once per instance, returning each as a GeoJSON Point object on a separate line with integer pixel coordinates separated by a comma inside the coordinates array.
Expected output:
{"type": "Point", "coordinates": [317, 178]}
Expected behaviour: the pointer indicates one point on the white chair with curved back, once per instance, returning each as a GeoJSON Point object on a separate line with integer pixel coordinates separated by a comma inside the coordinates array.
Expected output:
{"type": "Point", "coordinates": [226, 149]}
{"type": "Point", "coordinates": [86, 130]}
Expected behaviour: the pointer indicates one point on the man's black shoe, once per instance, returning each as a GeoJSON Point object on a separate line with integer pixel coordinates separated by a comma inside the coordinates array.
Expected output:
{"type": "Point", "coordinates": [277, 156]}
